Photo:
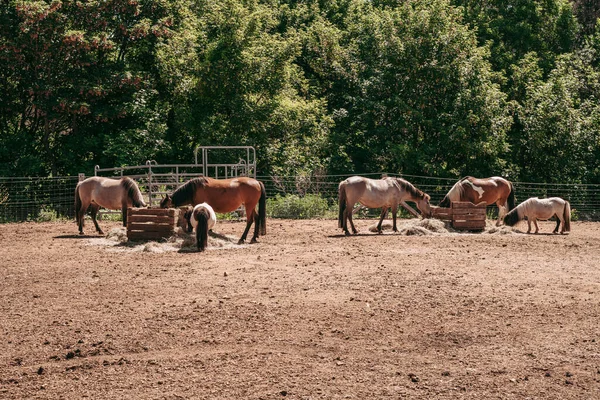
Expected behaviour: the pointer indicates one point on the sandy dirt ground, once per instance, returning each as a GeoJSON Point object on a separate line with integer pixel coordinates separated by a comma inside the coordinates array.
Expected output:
{"type": "Point", "coordinates": [305, 314]}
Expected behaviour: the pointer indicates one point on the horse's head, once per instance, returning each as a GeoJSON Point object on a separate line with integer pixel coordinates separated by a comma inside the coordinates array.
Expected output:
{"type": "Point", "coordinates": [167, 202]}
{"type": "Point", "coordinates": [188, 216]}
{"type": "Point", "coordinates": [424, 205]}
{"type": "Point", "coordinates": [511, 218]}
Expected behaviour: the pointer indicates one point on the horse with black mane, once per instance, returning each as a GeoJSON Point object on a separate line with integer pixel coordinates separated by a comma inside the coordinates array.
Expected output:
{"type": "Point", "coordinates": [489, 190]}
{"type": "Point", "coordinates": [114, 194]}
{"type": "Point", "coordinates": [543, 209]}
{"type": "Point", "coordinates": [225, 195]}
{"type": "Point", "coordinates": [386, 193]}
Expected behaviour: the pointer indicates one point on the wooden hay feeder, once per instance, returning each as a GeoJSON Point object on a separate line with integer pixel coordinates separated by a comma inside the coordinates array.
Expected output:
{"type": "Point", "coordinates": [151, 223]}
{"type": "Point", "coordinates": [463, 214]}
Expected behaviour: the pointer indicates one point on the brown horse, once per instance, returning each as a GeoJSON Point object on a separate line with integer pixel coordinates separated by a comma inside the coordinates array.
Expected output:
{"type": "Point", "coordinates": [114, 194]}
{"type": "Point", "coordinates": [374, 193]}
{"type": "Point", "coordinates": [225, 195]}
{"type": "Point", "coordinates": [489, 190]}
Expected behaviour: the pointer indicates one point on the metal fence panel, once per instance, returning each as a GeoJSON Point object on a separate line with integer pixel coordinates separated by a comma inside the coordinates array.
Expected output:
{"type": "Point", "coordinates": [27, 198]}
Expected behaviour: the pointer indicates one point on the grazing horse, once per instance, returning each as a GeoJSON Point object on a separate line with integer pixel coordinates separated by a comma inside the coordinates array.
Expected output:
{"type": "Point", "coordinates": [491, 190]}
{"type": "Point", "coordinates": [534, 209]}
{"type": "Point", "coordinates": [374, 193]}
{"type": "Point", "coordinates": [203, 218]}
{"type": "Point", "coordinates": [114, 194]}
{"type": "Point", "coordinates": [225, 195]}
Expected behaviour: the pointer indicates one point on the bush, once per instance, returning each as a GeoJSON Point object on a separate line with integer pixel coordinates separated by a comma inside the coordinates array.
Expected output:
{"type": "Point", "coordinates": [295, 207]}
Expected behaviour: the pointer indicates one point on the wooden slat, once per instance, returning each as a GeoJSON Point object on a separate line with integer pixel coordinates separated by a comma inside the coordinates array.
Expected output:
{"type": "Point", "coordinates": [139, 235]}
{"type": "Point", "coordinates": [151, 211]}
{"type": "Point", "coordinates": [468, 211]}
{"type": "Point", "coordinates": [469, 217]}
{"type": "Point", "coordinates": [442, 213]}
{"type": "Point", "coordinates": [150, 227]}
{"type": "Point", "coordinates": [409, 208]}
{"type": "Point", "coordinates": [474, 225]}
{"type": "Point", "coordinates": [160, 219]}
{"type": "Point", "coordinates": [467, 204]}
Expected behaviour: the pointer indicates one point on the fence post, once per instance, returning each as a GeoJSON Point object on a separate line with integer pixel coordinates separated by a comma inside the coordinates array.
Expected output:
{"type": "Point", "coordinates": [81, 177]}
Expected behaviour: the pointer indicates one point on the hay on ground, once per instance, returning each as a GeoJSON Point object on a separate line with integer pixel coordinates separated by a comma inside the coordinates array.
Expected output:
{"type": "Point", "coordinates": [117, 240]}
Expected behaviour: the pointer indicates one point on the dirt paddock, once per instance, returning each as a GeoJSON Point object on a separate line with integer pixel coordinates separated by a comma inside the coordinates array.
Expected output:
{"type": "Point", "coordinates": [305, 314]}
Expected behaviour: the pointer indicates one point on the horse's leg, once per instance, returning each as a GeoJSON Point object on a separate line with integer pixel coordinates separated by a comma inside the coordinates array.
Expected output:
{"type": "Point", "coordinates": [384, 211]}
{"type": "Point", "coordinates": [537, 228]}
{"type": "Point", "coordinates": [354, 231]}
{"type": "Point", "coordinates": [81, 216]}
{"type": "Point", "coordinates": [249, 219]}
{"type": "Point", "coordinates": [558, 221]}
{"type": "Point", "coordinates": [394, 212]}
{"type": "Point", "coordinates": [124, 206]}
{"type": "Point", "coordinates": [256, 228]}
{"type": "Point", "coordinates": [501, 211]}
{"type": "Point", "coordinates": [345, 220]}
{"type": "Point", "coordinates": [528, 225]}
{"type": "Point", "coordinates": [95, 209]}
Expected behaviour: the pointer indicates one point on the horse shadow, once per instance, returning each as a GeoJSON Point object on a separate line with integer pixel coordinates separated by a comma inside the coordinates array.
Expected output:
{"type": "Point", "coordinates": [371, 234]}
{"type": "Point", "coordinates": [215, 235]}
{"type": "Point", "coordinates": [74, 236]}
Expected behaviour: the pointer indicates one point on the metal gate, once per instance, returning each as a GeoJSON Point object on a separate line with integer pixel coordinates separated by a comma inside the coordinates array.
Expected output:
{"type": "Point", "coordinates": [155, 180]}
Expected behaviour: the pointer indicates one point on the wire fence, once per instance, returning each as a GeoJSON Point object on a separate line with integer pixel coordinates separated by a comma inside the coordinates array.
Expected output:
{"type": "Point", "coordinates": [34, 199]}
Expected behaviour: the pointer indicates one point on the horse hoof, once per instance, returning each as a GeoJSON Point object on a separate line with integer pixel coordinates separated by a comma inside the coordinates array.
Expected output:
{"type": "Point", "coordinates": [253, 241]}
{"type": "Point", "coordinates": [241, 241]}
{"type": "Point", "coordinates": [100, 233]}
{"type": "Point", "coordinates": [81, 233]}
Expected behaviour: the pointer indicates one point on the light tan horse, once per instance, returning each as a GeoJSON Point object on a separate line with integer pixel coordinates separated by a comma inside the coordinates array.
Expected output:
{"type": "Point", "coordinates": [225, 195]}
{"type": "Point", "coordinates": [374, 193]}
{"type": "Point", "coordinates": [543, 209]}
{"type": "Point", "coordinates": [489, 190]}
{"type": "Point", "coordinates": [114, 194]}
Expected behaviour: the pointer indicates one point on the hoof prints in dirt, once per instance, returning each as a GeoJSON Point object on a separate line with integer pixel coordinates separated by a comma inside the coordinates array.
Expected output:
{"type": "Point", "coordinates": [181, 241]}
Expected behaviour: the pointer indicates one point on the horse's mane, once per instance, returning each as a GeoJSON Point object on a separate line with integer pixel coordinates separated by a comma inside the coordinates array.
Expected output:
{"type": "Point", "coordinates": [186, 191]}
{"type": "Point", "coordinates": [410, 188]}
{"type": "Point", "coordinates": [133, 191]}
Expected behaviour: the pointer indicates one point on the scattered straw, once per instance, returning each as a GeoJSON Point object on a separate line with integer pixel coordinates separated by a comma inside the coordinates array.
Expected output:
{"type": "Point", "coordinates": [116, 240]}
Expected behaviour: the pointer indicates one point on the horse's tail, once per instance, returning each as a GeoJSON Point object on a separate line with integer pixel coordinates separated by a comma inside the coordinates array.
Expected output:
{"type": "Point", "coordinates": [342, 201]}
{"type": "Point", "coordinates": [511, 198]}
{"type": "Point", "coordinates": [262, 209]}
{"type": "Point", "coordinates": [78, 203]}
{"type": "Point", "coordinates": [567, 217]}
{"type": "Point", "coordinates": [202, 228]}
{"type": "Point", "coordinates": [133, 192]}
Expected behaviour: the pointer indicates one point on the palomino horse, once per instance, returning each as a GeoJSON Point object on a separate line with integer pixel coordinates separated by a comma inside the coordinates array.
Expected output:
{"type": "Point", "coordinates": [114, 194]}
{"type": "Point", "coordinates": [374, 193]}
{"type": "Point", "coordinates": [491, 190]}
{"type": "Point", "coordinates": [534, 209]}
{"type": "Point", "coordinates": [225, 195]}
{"type": "Point", "coordinates": [203, 218]}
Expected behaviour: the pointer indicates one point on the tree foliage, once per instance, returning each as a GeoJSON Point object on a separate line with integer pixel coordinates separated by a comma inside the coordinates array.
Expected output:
{"type": "Point", "coordinates": [442, 87]}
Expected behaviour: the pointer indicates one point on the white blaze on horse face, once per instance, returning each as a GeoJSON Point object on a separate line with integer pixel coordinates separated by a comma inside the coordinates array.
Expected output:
{"type": "Point", "coordinates": [478, 189]}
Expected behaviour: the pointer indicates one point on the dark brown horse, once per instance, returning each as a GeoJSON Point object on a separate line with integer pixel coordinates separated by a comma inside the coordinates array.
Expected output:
{"type": "Point", "coordinates": [489, 190]}
{"type": "Point", "coordinates": [114, 194]}
{"type": "Point", "coordinates": [374, 193]}
{"type": "Point", "coordinates": [225, 195]}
